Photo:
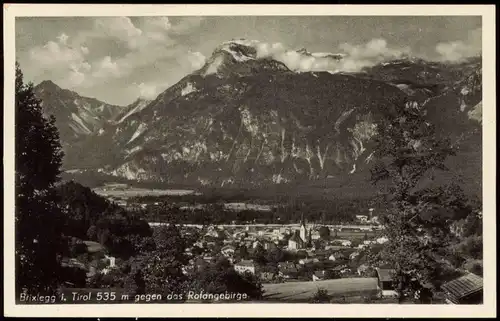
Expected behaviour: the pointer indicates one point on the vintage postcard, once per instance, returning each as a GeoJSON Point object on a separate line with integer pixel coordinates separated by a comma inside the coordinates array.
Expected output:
{"type": "Point", "coordinates": [249, 160]}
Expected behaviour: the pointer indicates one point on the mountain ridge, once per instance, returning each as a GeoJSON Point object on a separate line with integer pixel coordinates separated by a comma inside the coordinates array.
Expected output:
{"type": "Point", "coordinates": [253, 121]}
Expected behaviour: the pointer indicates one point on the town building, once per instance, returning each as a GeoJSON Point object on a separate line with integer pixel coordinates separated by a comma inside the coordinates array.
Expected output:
{"type": "Point", "coordinates": [267, 276]}
{"type": "Point", "coordinates": [305, 234]}
{"type": "Point", "coordinates": [228, 250]}
{"type": "Point", "coordinates": [386, 282]}
{"type": "Point", "coordinates": [301, 239]}
{"type": "Point", "coordinates": [288, 272]}
{"type": "Point", "coordinates": [305, 261]}
{"type": "Point", "coordinates": [362, 218]}
{"type": "Point", "coordinates": [256, 243]}
{"type": "Point", "coordinates": [382, 240]}
{"type": "Point", "coordinates": [269, 245]}
{"type": "Point", "coordinates": [318, 275]}
{"type": "Point", "coordinates": [296, 242]}
{"type": "Point", "coordinates": [245, 266]}
{"type": "Point", "coordinates": [353, 255]}
{"type": "Point", "coordinates": [336, 256]}
{"type": "Point", "coordinates": [362, 269]}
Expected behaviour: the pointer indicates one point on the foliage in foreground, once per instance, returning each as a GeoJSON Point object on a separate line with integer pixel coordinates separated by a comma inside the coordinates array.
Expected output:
{"type": "Point", "coordinates": [417, 215]}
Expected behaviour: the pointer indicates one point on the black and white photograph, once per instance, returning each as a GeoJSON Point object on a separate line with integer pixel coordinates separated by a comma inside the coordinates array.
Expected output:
{"type": "Point", "coordinates": [171, 158]}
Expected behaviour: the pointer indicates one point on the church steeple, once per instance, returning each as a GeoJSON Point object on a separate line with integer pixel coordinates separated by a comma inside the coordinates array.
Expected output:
{"type": "Point", "coordinates": [303, 231]}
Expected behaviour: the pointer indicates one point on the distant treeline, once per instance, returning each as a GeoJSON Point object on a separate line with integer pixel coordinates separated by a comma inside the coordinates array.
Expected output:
{"type": "Point", "coordinates": [325, 212]}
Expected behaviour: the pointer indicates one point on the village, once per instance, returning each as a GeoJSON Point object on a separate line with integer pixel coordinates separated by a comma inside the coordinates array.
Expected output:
{"type": "Point", "coordinates": [307, 253]}
{"type": "Point", "coordinates": [291, 261]}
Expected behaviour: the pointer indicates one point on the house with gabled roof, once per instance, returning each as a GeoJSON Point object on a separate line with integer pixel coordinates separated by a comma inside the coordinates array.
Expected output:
{"type": "Point", "coordinates": [467, 289]}
{"type": "Point", "coordinates": [386, 282]}
{"type": "Point", "coordinates": [245, 266]}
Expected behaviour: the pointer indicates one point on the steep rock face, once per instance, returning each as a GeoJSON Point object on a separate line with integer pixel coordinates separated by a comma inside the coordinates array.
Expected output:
{"type": "Point", "coordinates": [234, 59]}
{"type": "Point", "coordinates": [83, 123]}
{"type": "Point", "coordinates": [270, 128]}
{"type": "Point", "coordinates": [244, 120]}
{"type": "Point", "coordinates": [247, 123]}
{"type": "Point", "coordinates": [76, 116]}
{"type": "Point", "coordinates": [130, 110]}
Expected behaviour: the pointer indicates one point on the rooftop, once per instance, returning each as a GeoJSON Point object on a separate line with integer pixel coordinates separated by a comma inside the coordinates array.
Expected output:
{"type": "Point", "coordinates": [464, 286]}
{"type": "Point", "coordinates": [385, 275]}
{"type": "Point", "coordinates": [296, 238]}
{"type": "Point", "coordinates": [245, 263]}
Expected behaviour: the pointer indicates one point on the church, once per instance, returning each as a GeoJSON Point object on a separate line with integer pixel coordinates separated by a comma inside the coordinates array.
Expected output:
{"type": "Point", "coordinates": [301, 239]}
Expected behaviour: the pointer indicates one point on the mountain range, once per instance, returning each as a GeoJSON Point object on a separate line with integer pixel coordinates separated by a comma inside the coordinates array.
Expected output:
{"type": "Point", "coordinates": [246, 120]}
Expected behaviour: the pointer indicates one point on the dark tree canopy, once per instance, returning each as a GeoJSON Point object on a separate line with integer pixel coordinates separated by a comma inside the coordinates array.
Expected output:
{"type": "Point", "coordinates": [416, 217]}
{"type": "Point", "coordinates": [324, 233]}
{"type": "Point", "coordinates": [220, 277]}
{"type": "Point", "coordinates": [38, 157]}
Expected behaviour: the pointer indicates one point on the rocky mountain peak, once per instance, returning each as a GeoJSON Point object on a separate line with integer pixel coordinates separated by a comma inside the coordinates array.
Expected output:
{"type": "Point", "coordinates": [239, 57]}
{"type": "Point", "coordinates": [48, 84]}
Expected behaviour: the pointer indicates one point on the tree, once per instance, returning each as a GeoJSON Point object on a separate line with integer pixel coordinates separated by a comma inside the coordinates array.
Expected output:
{"type": "Point", "coordinates": [161, 270]}
{"type": "Point", "coordinates": [320, 296]}
{"type": "Point", "coordinates": [38, 222]}
{"type": "Point", "coordinates": [220, 277]}
{"type": "Point", "coordinates": [477, 269]}
{"type": "Point", "coordinates": [242, 252]}
{"type": "Point", "coordinates": [407, 151]}
{"type": "Point", "coordinates": [92, 233]}
{"type": "Point", "coordinates": [275, 255]}
{"type": "Point", "coordinates": [259, 255]}
{"type": "Point", "coordinates": [324, 233]}
{"type": "Point", "coordinates": [113, 279]}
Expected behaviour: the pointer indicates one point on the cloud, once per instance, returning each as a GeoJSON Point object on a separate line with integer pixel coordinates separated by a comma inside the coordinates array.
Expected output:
{"type": "Point", "coordinates": [152, 30]}
{"type": "Point", "coordinates": [186, 25]}
{"type": "Point", "coordinates": [350, 57]}
{"type": "Point", "coordinates": [84, 50]}
{"type": "Point", "coordinates": [63, 38]}
{"type": "Point", "coordinates": [455, 51]}
{"type": "Point", "coordinates": [196, 59]}
{"type": "Point", "coordinates": [151, 90]}
{"type": "Point", "coordinates": [75, 78]}
{"type": "Point", "coordinates": [54, 54]}
{"type": "Point", "coordinates": [120, 28]}
{"type": "Point", "coordinates": [158, 22]}
{"type": "Point", "coordinates": [106, 68]}
{"type": "Point", "coordinates": [373, 52]}
{"type": "Point", "coordinates": [147, 39]}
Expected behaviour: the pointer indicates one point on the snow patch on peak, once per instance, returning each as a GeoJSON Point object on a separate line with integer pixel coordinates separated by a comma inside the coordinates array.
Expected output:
{"type": "Point", "coordinates": [188, 89]}
{"type": "Point", "coordinates": [237, 55]}
{"type": "Point", "coordinates": [243, 42]}
{"type": "Point", "coordinates": [326, 54]}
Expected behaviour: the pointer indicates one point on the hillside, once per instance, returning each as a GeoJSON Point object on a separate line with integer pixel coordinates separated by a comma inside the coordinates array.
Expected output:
{"type": "Point", "coordinates": [249, 121]}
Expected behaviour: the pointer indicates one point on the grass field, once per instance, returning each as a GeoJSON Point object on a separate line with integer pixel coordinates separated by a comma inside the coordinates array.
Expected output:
{"type": "Point", "coordinates": [136, 191]}
{"type": "Point", "coordinates": [303, 291]}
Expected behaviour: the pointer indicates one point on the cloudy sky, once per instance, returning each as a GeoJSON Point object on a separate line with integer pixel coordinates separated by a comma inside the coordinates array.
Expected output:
{"type": "Point", "coordinates": [117, 59]}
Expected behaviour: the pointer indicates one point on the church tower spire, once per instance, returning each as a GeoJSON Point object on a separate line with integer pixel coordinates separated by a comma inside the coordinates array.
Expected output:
{"type": "Point", "coordinates": [303, 231]}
